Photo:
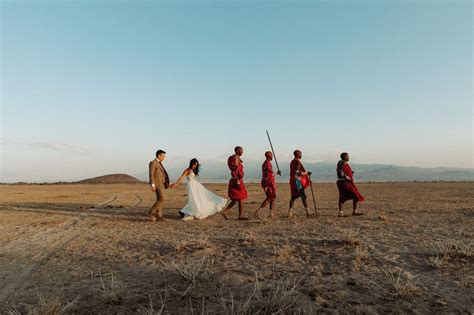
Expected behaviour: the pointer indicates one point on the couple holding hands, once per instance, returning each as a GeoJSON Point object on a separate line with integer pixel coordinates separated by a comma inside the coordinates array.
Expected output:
{"type": "Point", "coordinates": [201, 202]}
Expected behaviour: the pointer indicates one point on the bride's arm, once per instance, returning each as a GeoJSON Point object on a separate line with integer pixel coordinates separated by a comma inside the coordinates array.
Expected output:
{"type": "Point", "coordinates": [181, 178]}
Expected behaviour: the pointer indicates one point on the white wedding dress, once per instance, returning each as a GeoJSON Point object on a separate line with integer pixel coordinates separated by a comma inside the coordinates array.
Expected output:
{"type": "Point", "coordinates": [201, 202]}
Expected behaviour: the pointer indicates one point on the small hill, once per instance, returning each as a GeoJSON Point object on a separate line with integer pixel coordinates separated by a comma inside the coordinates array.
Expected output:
{"type": "Point", "coordinates": [111, 179]}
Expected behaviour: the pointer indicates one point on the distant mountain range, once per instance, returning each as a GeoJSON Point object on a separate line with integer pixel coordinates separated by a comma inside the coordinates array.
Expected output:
{"type": "Point", "coordinates": [322, 172]}
{"type": "Point", "coordinates": [326, 172]}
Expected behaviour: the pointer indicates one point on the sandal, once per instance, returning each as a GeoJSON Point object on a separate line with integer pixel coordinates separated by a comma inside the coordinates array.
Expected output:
{"type": "Point", "coordinates": [225, 214]}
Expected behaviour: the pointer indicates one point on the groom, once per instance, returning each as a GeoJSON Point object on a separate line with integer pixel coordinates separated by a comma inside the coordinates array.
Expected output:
{"type": "Point", "coordinates": [159, 181]}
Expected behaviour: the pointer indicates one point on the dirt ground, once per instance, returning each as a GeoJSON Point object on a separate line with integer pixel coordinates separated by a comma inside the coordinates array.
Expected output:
{"type": "Point", "coordinates": [86, 249]}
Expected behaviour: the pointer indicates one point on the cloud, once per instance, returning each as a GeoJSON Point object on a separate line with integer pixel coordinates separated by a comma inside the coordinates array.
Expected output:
{"type": "Point", "coordinates": [50, 145]}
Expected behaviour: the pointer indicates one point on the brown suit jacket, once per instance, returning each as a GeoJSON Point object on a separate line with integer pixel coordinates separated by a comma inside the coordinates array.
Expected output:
{"type": "Point", "coordinates": [158, 175]}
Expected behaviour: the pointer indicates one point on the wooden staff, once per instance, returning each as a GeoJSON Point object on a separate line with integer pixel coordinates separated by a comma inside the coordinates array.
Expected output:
{"type": "Point", "coordinates": [312, 193]}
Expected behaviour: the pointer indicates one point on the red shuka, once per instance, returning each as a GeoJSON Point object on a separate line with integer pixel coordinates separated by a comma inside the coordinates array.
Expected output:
{"type": "Point", "coordinates": [347, 188]}
{"type": "Point", "coordinates": [268, 180]}
{"type": "Point", "coordinates": [295, 167]}
{"type": "Point", "coordinates": [237, 190]}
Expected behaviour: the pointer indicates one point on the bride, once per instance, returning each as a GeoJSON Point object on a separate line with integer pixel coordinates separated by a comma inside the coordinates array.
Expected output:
{"type": "Point", "coordinates": [201, 202]}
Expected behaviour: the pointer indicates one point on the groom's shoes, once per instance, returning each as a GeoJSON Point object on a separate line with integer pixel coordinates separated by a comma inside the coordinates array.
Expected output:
{"type": "Point", "coordinates": [181, 214]}
{"type": "Point", "coordinates": [154, 218]}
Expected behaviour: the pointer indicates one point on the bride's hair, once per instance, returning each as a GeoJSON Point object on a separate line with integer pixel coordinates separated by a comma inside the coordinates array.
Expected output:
{"type": "Point", "coordinates": [196, 170]}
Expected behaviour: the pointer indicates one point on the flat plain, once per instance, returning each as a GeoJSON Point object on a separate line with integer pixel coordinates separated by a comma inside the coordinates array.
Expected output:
{"type": "Point", "coordinates": [85, 249]}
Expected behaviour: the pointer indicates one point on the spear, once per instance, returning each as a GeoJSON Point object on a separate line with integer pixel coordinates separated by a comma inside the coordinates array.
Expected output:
{"type": "Point", "coordinates": [271, 145]}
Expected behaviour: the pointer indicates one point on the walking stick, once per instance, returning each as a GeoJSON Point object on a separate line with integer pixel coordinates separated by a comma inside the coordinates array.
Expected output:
{"type": "Point", "coordinates": [271, 145]}
{"type": "Point", "coordinates": [312, 193]}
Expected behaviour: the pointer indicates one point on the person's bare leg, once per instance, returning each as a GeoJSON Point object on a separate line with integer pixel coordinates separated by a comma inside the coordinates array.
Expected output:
{"type": "Point", "coordinates": [262, 206]}
{"type": "Point", "coordinates": [290, 208]}
{"type": "Point", "coordinates": [265, 203]}
{"type": "Point", "coordinates": [354, 208]}
{"type": "Point", "coordinates": [272, 206]}
{"type": "Point", "coordinates": [225, 211]}
{"type": "Point", "coordinates": [242, 215]}
{"type": "Point", "coordinates": [341, 214]}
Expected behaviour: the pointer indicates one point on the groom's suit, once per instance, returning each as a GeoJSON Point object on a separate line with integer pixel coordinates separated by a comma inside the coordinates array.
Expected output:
{"type": "Point", "coordinates": [160, 180]}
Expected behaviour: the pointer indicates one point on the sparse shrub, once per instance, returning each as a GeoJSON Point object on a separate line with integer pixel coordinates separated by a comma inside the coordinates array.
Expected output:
{"type": "Point", "coordinates": [350, 236]}
{"type": "Point", "coordinates": [438, 262]}
{"type": "Point", "coordinates": [112, 291]}
{"type": "Point", "coordinates": [273, 296]}
{"type": "Point", "coordinates": [279, 297]}
{"type": "Point", "coordinates": [240, 304]}
{"type": "Point", "coordinates": [150, 310]}
{"type": "Point", "coordinates": [285, 251]}
{"type": "Point", "coordinates": [47, 305]}
{"type": "Point", "coordinates": [203, 243]}
{"type": "Point", "coordinates": [451, 248]}
{"type": "Point", "coordinates": [192, 272]}
{"type": "Point", "coordinates": [248, 237]}
{"type": "Point", "coordinates": [362, 252]}
{"type": "Point", "coordinates": [445, 250]}
{"type": "Point", "coordinates": [180, 246]}
{"type": "Point", "coordinates": [399, 285]}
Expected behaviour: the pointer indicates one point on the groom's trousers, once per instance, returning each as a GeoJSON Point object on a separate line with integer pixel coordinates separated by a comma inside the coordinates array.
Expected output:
{"type": "Point", "coordinates": [157, 208]}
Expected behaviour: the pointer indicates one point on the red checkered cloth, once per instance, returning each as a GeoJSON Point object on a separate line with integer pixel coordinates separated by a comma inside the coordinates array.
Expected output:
{"type": "Point", "coordinates": [295, 167]}
{"type": "Point", "coordinates": [347, 188]}
{"type": "Point", "coordinates": [268, 180]}
{"type": "Point", "coordinates": [237, 190]}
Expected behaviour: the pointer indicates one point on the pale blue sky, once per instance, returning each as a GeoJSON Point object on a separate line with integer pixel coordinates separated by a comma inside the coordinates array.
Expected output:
{"type": "Point", "coordinates": [95, 87]}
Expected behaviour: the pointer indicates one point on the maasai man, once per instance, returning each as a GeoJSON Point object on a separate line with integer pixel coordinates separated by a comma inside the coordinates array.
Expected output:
{"type": "Point", "coordinates": [346, 185]}
{"type": "Point", "coordinates": [268, 185]}
{"type": "Point", "coordinates": [237, 191]}
{"type": "Point", "coordinates": [299, 181]}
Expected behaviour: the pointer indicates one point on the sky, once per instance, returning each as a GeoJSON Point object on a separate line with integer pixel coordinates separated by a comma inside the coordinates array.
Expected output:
{"type": "Point", "coordinates": [96, 87]}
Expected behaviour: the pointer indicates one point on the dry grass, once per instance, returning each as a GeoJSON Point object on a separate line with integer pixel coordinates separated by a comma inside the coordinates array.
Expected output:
{"type": "Point", "coordinates": [398, 284]}
{"type": "Point", "coordinates": [285, 251]}
{"type": "Point", "coordinates": [233, 305]}
{"type": "Point", "coordinates": [446, 251]}
{"type": "Point", "coordinates": [47, 305]}
{"type": "Point", "coordinates": [280, 296]}
{"type": "Point", "coordinates": [191, 273]}
{"type": "Point", "coordinates": [443, 247]}
{"type": "Point", "coordinates": [112, 291]}
{"type": "Point", "coordinates": [150, 309]}
{"type": "Point", "coordinates": [451, 248]}
{"type": "Point", "coordinates": [350, 236]}
{"type": "Point", "coordinates": [180, 246]}
{"type": "Point", "coordinates": [438, 262]}
{"type": "Point", "coordinates": [272, 296]}
{"type": "Point", "coordinates": [361, 253]}
{"type": "Point", "coordinates": [247, 237]}
{"type": "Point", "coordinates": [203, 243]}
